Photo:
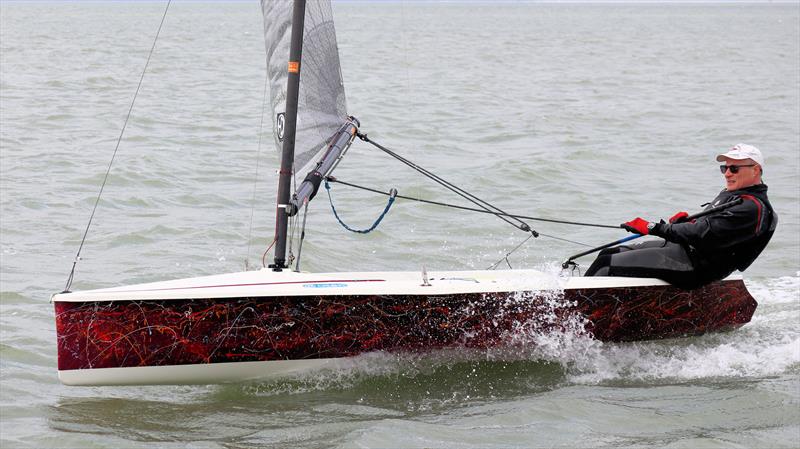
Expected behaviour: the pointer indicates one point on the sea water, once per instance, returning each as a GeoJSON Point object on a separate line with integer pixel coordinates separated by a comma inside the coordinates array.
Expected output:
{"type": "Point", "coordinates": [583, 112]}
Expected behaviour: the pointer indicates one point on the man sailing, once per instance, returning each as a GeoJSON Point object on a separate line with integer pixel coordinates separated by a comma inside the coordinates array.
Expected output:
{"type": "Point", "coordinates": [709, 248]}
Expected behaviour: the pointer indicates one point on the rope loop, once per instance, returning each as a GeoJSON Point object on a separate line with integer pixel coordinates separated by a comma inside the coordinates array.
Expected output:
{"type": "Point", "coordinates": [392, 197]}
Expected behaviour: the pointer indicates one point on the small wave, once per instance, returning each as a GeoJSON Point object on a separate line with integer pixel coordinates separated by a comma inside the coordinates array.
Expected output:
{"type": "Point", "coordinates": [418, 381]}
{"type": "Point", "coordinates": [769, 345]}
{"type": "Point", "coordinates": [8, 250]}
{"type": "Point", "coordinates": [659, 362]}
{"type": "Point", "coordinates": [782, 290]}
{"type": "Point", "coordinates": [58, 117]}
{"type": "Point", "coordinates": [9, 298]}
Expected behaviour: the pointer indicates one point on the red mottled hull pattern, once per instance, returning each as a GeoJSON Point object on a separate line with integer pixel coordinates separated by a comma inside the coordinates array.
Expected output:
{"type": "Point", "coordinates": [199, 331]}
{"type": "Point", "coordinates": [656, 312]}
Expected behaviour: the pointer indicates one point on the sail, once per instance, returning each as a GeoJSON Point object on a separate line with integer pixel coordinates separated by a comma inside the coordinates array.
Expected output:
{"type": "Point", "coordinates": [321, 104]}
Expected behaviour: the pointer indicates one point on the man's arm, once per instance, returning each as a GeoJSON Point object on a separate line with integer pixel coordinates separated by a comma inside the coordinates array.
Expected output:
{"type": "Point", "coordinates": [714, 232]}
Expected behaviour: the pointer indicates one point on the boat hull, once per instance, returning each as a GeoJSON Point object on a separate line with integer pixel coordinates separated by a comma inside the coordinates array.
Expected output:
{"type": "Point", "coordinates": [222, 339]}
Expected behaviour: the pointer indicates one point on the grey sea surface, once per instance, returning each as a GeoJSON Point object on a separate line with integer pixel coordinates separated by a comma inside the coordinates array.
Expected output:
{"type": "Point", "coordinates": [582, 112]}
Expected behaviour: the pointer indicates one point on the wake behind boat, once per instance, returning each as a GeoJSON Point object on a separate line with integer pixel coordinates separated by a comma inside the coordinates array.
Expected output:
{"type": "Point", "coordinates": [276, 320]}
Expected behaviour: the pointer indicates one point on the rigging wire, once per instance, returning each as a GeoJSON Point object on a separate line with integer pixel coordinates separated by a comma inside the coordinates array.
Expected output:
{"type": "Point", "coordinates": [565, 240]}
{"type": "Point", "coordinates": [302, 238]}
{"type": "Point", "coordinates": [290, 240]}
{"type": "Point", "coordinates": [264, 256]}
{"type": "Point", "coordinates": [255, 180]}
{"type": "Point", "coordinates": [455, 189]}
{"type": "Point", "coordinates": [393, 193]}
{"type": "Point", "coordinates": [508, 254]}
{"type": "Point", "coordinates": [471, 209]}
{"type": "Point", "coordinates": [485, 206]}
{"type": "Point", "coordinates": [292, 223]}
{"type": "Point", "coordinates": [114, 155]}
{"type": "Point", "coordinates": [505, 258]}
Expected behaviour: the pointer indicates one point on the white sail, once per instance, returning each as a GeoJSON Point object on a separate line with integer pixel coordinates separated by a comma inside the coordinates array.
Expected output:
{"type": "Point", "coordinates": [321, 106]}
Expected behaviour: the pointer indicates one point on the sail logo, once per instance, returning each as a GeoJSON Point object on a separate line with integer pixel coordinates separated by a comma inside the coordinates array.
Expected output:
{"type": "Point", "coordinates": [280, 123]}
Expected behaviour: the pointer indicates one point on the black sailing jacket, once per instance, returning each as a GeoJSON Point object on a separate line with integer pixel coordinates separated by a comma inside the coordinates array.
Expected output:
{"type": "Point", "coordinates": [728, 240]}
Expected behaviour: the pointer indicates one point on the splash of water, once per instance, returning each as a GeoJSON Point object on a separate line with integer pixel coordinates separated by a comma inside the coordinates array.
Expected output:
{"type": "Point", "coordinates": [552, 337]}
{"type": "Point", "coordinates": [768, 346]}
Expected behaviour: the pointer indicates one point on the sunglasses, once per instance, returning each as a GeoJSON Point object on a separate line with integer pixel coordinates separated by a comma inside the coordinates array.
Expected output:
{"type": "Point", "coordinates": [733, 168]}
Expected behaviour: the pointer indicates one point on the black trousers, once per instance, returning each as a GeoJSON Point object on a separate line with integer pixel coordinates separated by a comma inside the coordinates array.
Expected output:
{"type": "Point", "coordinates": [654, 259]}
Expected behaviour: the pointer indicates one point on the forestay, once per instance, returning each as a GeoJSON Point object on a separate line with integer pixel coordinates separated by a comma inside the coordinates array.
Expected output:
{"type": "Point", "coordinates": [321, 105]}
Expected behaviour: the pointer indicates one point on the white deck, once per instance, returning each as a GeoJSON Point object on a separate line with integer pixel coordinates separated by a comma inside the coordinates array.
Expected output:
{"type": "Point", "coordinates": [266, 282]}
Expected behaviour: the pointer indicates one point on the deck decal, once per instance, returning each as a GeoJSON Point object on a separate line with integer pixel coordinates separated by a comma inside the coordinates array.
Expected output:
{"type": "Point", "coordinates": [245, 285]}
{"type": "Point", "coordinates": [325, 285]}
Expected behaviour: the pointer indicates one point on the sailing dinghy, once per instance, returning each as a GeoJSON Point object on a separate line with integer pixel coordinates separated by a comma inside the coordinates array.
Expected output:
{"type": "Point", "coordinates": [275, 321]}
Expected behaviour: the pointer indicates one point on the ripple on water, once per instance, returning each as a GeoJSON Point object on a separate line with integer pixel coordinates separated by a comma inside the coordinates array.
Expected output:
{"type": "Point", "coordinates": [592, 113]}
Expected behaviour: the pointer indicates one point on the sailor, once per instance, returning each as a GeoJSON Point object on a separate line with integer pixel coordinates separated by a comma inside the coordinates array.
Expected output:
{"type": "Point", "coordinates": [709, 248]}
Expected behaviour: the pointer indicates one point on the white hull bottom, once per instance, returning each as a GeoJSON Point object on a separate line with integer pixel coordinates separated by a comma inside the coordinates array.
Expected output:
{"type": "Point", "coordinates": [212, 373]}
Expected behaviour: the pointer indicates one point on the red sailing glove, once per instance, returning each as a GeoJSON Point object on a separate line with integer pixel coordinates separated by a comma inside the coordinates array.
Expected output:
{"type": "Point", "coordinates": [679, 217]}
{"type": "Point", "coordinates": [636, 226]}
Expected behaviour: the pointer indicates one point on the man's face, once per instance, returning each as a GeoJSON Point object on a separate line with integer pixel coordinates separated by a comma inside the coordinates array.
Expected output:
{"type": "Point", "coordinates": [749, 174]}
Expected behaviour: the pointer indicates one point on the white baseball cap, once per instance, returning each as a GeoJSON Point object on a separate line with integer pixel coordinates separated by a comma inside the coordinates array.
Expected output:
{"type": "Point", "coordinates": [743, 151]}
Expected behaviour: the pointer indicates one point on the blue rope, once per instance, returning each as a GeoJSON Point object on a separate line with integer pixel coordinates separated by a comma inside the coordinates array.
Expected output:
{"type": "Point", "coordinates": [392, 196]}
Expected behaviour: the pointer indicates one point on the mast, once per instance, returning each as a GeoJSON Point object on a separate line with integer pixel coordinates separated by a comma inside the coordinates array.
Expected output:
{"type": "Point", "coordinates": [282, 211]}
